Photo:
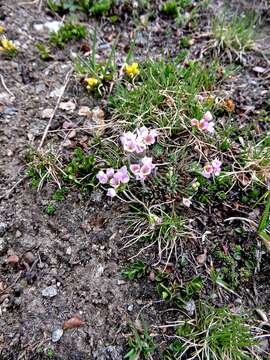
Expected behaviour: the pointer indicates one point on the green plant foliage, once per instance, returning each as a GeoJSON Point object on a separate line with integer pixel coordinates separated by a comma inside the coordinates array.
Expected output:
{"type": "Point", "coordinates": [81, 170]}
{"type": "Point", "coordinates": [140, 343]}
{"type": "Point", "coordinates": [68, 32]}
{"type": "Point", "coordinates": [136, 270]}
{"type": "Point", "coordinates": [215, 334]}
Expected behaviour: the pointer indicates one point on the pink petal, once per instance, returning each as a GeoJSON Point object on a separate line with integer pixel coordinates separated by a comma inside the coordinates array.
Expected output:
{"type": "Point", "coordinates": [149, 139]}
{"type": "Point", "coordinates": [186, 202]}
{"type": "Point", "coordinates": [110, 172]}
{"type": "Point", "coordinates": [111, 193]}
{"type": "Point", "coordinates": [208, 116]}
{"type": "Point", "coordinates": [135, 168]}
{"type": "Point", "coordinates": [102, 177]}
{"type": "Point", "coordinates": [194, 122]}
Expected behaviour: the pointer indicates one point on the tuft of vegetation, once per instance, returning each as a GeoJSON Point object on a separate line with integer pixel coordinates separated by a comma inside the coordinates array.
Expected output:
{"type": "Point", "coordinates": [101, 7]}
{"type": "Point", "coordinates": [44, 52]}
{"type": "Point", "coordinates": [234, 35]}
{"type": "Point", "coordinates": [140, 343]}
{"type": "Point", "coordinates": [69, 31]}
{"type": "Point", "coordinates": [214, 334]}
{"type": "Point", "coordinates": [136, 270]}
{"type": "Point", "coordinates": [81, 170]}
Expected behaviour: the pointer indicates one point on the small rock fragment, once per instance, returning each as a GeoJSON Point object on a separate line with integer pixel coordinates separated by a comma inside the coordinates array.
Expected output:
{"type": "Point", "coordinates": [56, 92]}
{"type": "Point", "coordinates": [259, 69]}
{"type": "Point", "coordinates": [3, 246]}
{"type": "Point", "coordinates": [46, 113]}
{"type": "Point", "coordinates": [190, 307]}
{"type": "Point", "coordinates": [57, 334]}
{"type": "Point", "coordinates": [49, 292]}
{"type": "Point", "coordinates": [53, 25]}
{"type": "Point", "coordinates": [201, 259]}
{"type": "Point", "coordinates": [3, 228]}
{"type": "Point", "coordinates": [74, 322]}
{"type": "Point", "coordinates": [130, 307]}
{"type": "Point", "coordinates": [67, 106]}
{"type": "Point", "coordinates": [29, 258]}
{"type": "Point", "coordinates": [84, 111]}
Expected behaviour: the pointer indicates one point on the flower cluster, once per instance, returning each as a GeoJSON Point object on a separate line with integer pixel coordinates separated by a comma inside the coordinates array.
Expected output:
{"type": "Point", "coordinates": [132, 70]}
{"type": "Point", "coordinates": [2, 29]}
{"type": "Point", "coordinates": [114, 177]}
{"type": "Point", "coordinates": [213, 168]}
{"type": "Point", "coordinates": [137, 142]}
{"type": "Point", "coordinates": [205, 124]}
{"type": "Point", "coordinates": [91, 83]}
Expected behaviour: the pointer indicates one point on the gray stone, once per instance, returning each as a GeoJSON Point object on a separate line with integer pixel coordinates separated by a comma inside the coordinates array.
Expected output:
{"type": "Point", "coordinates": [57, 334]}
{"type": "Point", "coordinates": [3, 228]}
{"type": "Point", "coordinates": [3, 246]}
{"type": "Point", "coordinates": [49, 291]}
{"type": "Point", "coordinates": [130, 307]}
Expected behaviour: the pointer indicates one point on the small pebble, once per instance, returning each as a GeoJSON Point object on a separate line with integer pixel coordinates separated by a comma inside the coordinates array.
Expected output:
{"type": "Point", "coordinates": [3, 228]}
{"type": "Point", "coordinates": [57, 334]}
{"type": "Point", "coordinates": [49, 291]}
{"type": "Point", "coordinates": [130, 307]}
{"type": "Point", "coordinates": [29, 258]}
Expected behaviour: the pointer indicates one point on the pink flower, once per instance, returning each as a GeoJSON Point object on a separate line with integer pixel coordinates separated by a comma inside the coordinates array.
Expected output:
{"type": "Point", "coordinates": [116, 180]}
{"type": "Point", "coordinates": [150, 138]}
{"type": "Point", "coordinates": [102, 177]}
{"type": "Point", "coordinates": [212, 169]}
{"type": "Point", "coordinates": [130, 146]}
{"type": "Point", "coordinates": [135, 168]}
{"type": "Point", "coordinates": [207, 171]}
{"type": "Point", "coordinates": [210, 127]}
{"type": "Point", "coordinates": [145, 170]}
{"type": "Point", "coordinates": [140, 148]}
{"type": "Point", "coordinates": [208, 116]}
{"type": "Point", "coordinates": [123, 174]}
{"type": "Point", "coordinates": [186, 202]}
{"type": "Point", "coordinates": [216, 166]}
{"type": "Point", "coordinates": [194, 122]}
{"type": "Point", "coordinates": [137, 142]}
{"type": "Point", "coordinates": [205, 124]}
{"type": "Point", "coordinates": [111, 193]}
{"type": "Point", "coordinates": [110, 172]}
{"type": "Point", "coordinates": [129, 141]}
{"type": "Point", "coordinates": [142, 131]}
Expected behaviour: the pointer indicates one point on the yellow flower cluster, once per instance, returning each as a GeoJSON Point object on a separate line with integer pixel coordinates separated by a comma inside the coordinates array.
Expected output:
{"type": "Point", "coordinates": [91, 83]}
{"type": "Point", "coordinates": [2, 30]}
{"type": "Point", "coordinates": [132, 70]}
{"type": "Point", "coordinates": [7, 45]}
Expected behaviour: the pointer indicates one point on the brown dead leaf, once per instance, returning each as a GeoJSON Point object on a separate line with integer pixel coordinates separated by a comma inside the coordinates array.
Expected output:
{"type": "Point", "coordinates": [201, 259]}
{"type": "Point", "coordinates": [244, 180]}
{"type": "Point", "coordinates": [12, 260]}
{"type": "Point", "coordinates": [72, 134]}
{"type": "Point", "coordinates": [74, 322]}
{"type": "Point", "coordinates": [228, 105]}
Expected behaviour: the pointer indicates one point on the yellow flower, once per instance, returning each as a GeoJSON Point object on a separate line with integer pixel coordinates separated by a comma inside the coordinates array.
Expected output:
{"type": "Point", "coordinates": [7, 45]}
{"type": "Point", "coordinates": [132, 70]}
{"type": "Point", "coordinates": [91, 83]}
{"type": "Point", "coordinates": [2, 30]}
